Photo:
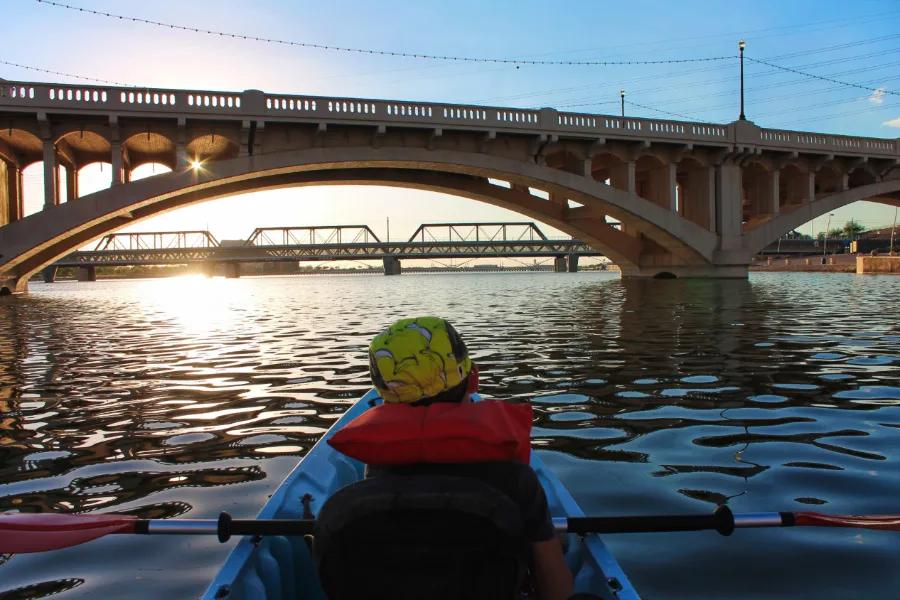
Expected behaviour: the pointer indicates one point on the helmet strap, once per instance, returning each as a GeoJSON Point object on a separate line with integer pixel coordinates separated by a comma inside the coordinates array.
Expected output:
{"type": "Point", "coordinates": [472, 381]}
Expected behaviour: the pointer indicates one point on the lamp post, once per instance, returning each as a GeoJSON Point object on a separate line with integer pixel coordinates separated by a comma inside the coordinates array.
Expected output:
{"type": "Point", "coordinates": [825, 241]}
{"type": "Point", "coordinates": [622, 94]}
{"type": "Point", "coordinates": [741, 45]}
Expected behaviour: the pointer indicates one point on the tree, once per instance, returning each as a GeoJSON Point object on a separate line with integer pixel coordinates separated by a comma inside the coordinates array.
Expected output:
{"type": "Point", "coordinates": [852, 229]}
{"type": "Point", "coordinates": [835, 232]}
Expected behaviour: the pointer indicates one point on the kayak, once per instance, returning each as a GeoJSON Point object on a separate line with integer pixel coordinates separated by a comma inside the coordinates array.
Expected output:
{"type": "Point", "coordinates": [281, 567]}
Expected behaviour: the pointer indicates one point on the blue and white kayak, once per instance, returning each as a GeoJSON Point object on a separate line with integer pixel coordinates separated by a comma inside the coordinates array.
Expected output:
{"type": "Point", "coordinates": [280, 567]}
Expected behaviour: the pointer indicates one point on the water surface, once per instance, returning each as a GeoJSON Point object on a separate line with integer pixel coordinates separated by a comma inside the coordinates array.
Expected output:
{"type": "Point", "coordinates": [187, 397]}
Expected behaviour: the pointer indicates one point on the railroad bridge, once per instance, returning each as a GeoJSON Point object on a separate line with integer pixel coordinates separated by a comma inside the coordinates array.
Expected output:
{"type": "Point", "coordinates": [693, 199]}
{"type": "Point", "coordinates": [324, 243]}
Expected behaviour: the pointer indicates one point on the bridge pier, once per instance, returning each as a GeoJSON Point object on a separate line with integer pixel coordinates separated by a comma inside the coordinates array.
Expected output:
{"type": "Point", "coordinates": [391, 265]}
{"type": "Point", "coordinates": [86, 274]}
{"type": "Point", "coordinates": [559, 264]}
{"type": "Point", "coordinates": [49, 274]}
{"type": "Point", "coordinates": [573, 263]}
{"type": "Point", "coordinates": [232, 270]}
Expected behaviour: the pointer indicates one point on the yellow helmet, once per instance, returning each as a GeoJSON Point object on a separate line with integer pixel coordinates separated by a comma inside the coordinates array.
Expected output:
{"type": "Point", "coordinates": [417, 358]}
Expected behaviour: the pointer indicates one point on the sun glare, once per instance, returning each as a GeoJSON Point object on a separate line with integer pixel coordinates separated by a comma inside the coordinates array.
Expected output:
{"type": "Point", "coordinates": [195, 164]}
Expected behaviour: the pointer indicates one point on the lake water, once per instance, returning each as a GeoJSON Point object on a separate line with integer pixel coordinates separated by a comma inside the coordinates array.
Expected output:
{"type": "Point", "coordinates": [187, 397]}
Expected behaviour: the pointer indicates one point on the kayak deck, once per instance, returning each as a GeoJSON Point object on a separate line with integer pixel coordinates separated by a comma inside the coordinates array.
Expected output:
{"type": "Point", "coordinates": [279, 567]}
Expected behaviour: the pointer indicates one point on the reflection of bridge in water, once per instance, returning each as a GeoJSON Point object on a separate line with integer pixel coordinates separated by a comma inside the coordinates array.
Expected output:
{"type": "Point", "coordinates": [434, 241]}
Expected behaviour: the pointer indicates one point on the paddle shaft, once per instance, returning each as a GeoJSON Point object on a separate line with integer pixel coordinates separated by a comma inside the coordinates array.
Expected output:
{"type": "Point", "coordinates": [40, 532]}
{"type": "Point", "coordinates": [722, 520]}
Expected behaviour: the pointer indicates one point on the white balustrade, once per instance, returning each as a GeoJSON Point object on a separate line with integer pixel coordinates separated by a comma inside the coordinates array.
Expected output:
{"type": "Point", "coordinates": [252, 104]}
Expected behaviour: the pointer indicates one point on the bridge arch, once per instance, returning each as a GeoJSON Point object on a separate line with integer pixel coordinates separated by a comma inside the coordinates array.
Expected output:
{"type": "Point", "coordinates": [863, 174]}
{"type": "Point", "coordinates": [829, 180]}
{"type": "Point", "coordinates": [28, 244]}
{"type": "Point", "coordinates": [86, 146]}
{"type": "Point", "coordinates": [887, 191]}
{"type": "Point", "coordinates": [27, 141]}
{"type": "Point", "coordinates": [149, 147]}
{"type": "Point", "coordinates": [212, 145]}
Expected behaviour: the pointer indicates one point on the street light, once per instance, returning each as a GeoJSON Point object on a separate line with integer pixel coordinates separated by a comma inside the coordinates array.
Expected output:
{"type": "Point", "coordinates": [825, 239]}
{"type": "Point", "coordinates": [741, 45]}
{"type": "Point", "coordinates": [622, 94]}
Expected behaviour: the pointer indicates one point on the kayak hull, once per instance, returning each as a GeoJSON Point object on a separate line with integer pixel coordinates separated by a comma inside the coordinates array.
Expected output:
{"type": "Point", "coordinates": [279, 567]}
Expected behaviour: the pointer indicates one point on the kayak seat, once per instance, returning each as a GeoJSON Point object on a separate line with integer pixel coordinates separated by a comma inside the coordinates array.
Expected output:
{"type": "Point", "coordinates": [401, 537]}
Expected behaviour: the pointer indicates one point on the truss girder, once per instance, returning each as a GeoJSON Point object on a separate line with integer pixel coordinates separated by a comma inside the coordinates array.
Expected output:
{"type": "Point", "coordinates": [327, 252]}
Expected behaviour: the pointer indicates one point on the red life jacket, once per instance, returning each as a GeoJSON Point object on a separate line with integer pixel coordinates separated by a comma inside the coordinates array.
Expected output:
{"type": "Point", "coordinates": [399, 434]}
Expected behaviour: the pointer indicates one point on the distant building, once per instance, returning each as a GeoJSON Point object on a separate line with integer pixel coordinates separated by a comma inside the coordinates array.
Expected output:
{"type": "Point", "coordinates": [884, 232]}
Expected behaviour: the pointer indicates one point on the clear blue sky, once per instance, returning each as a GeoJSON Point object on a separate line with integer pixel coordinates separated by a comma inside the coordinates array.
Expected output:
{"type": "Point", "coordinates": [856, 41]}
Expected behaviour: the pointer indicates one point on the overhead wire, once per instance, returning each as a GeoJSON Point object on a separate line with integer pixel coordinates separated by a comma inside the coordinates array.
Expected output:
{"type": "Point", "coordinates": [425, 56]}
{"type": "Point", "coordinates": [751, 77]}
{"type": "Point", "coordinates": [95, 80]}
{"type": "Point", "coordinates": [844, 83]}
{"type": "Point", "coordinates": [705, 69]}
{"type": "Point", "coordinates": [666, 112]}
{"type": "Point", "coordinates": [767, 63]}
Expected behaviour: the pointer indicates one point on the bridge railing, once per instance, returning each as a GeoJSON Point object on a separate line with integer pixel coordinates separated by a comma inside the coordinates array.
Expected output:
{"type": "Point", "coordinates": [254, 104]}
{"type": "Point", "coordinates": [820, 142]}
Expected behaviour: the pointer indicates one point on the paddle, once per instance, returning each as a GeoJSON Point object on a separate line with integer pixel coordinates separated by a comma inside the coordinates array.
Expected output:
{"type": "Point", "coordinates": [38, 532]}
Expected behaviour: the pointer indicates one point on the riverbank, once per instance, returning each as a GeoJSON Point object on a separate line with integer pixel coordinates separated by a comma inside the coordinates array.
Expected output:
{"type": "Point", "coordinates": [840, 263]}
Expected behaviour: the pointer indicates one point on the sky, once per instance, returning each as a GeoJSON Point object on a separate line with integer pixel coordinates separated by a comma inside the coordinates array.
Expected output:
{"type": "Point", "coordinates": [856, 42]}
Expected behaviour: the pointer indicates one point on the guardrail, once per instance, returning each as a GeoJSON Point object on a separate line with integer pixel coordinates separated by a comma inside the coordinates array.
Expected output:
{"type": "Point", "coordinates": [254, 104]}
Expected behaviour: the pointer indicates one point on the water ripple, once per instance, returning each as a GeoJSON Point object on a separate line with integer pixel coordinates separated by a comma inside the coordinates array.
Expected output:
{"type": "Point", "coordinates": [188, 397]}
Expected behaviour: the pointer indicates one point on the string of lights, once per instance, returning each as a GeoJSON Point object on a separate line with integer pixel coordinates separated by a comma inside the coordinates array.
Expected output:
{"type": "Point", "coordinates": [821, 78]}
{"type": "Point", "coordinates": [470, 59]}
{"type": "Point", "coordinates": [18, 66]}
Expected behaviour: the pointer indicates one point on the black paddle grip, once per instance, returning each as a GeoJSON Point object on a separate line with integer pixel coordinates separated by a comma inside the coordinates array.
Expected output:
{"type": "Point", "coordinates": [722, 520]}
{"type": "Point", "coordinates": [228, 527]}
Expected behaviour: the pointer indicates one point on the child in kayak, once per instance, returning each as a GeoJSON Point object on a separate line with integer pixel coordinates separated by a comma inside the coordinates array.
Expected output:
{"type": "Point", "coordinates": [423, 363]}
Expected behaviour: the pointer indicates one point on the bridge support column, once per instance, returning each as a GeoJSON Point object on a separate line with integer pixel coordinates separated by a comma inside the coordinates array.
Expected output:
{"type": "Point", "coordinates": [391, 265]}
{"type": "Point", "coordinates": [207, 269]}
{"type": "Point", "coordinates": [559, 264]}
{"type": "Point", "coordinates": [698, 200]}
{"type": "Point", "coordinates": [623, 176]}
{"type": "Point", "coordinates": [71, 182]}
{"type": "Point", "coordinates": [729, 203]}
{"type": "Point", "coordinates": [773, 193]}
{"type": "Point", "coordinates": [49, 274]}
{"type": "Point", "coordinates": [51, 175]}
{"type": "Point", "coordinates": [86, 274]}
{"type": "Point", "coordinates": [116, 161]}
{"type": "Point", "coordinates": [659, 186]}
{"type": "Point", "coordinates": [10, 192]}
{"type": "Point", "coordinates": [232, 270]}
{"type": "Point", "coordinates": [181, 157]}
{"type": "Point", "coordinates": [573, 263]}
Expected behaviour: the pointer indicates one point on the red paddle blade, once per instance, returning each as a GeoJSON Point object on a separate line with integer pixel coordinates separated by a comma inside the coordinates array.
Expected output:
{"type": "Point", "coordinates": [39, 532]}
{"type": "Point", "coordinates": [812, 519]}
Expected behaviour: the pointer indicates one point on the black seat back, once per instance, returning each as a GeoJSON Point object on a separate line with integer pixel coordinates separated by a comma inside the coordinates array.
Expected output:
{"type": "Point", "coordinates": [412, 537]}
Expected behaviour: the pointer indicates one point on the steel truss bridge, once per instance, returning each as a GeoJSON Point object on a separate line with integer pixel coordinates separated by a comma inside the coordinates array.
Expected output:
{"type": "Point", "coordinates": [332, 243]}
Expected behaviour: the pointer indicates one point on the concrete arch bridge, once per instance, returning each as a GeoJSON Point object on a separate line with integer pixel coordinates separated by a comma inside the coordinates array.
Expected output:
{"type": "Point", "coordinates": [693, 199]}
